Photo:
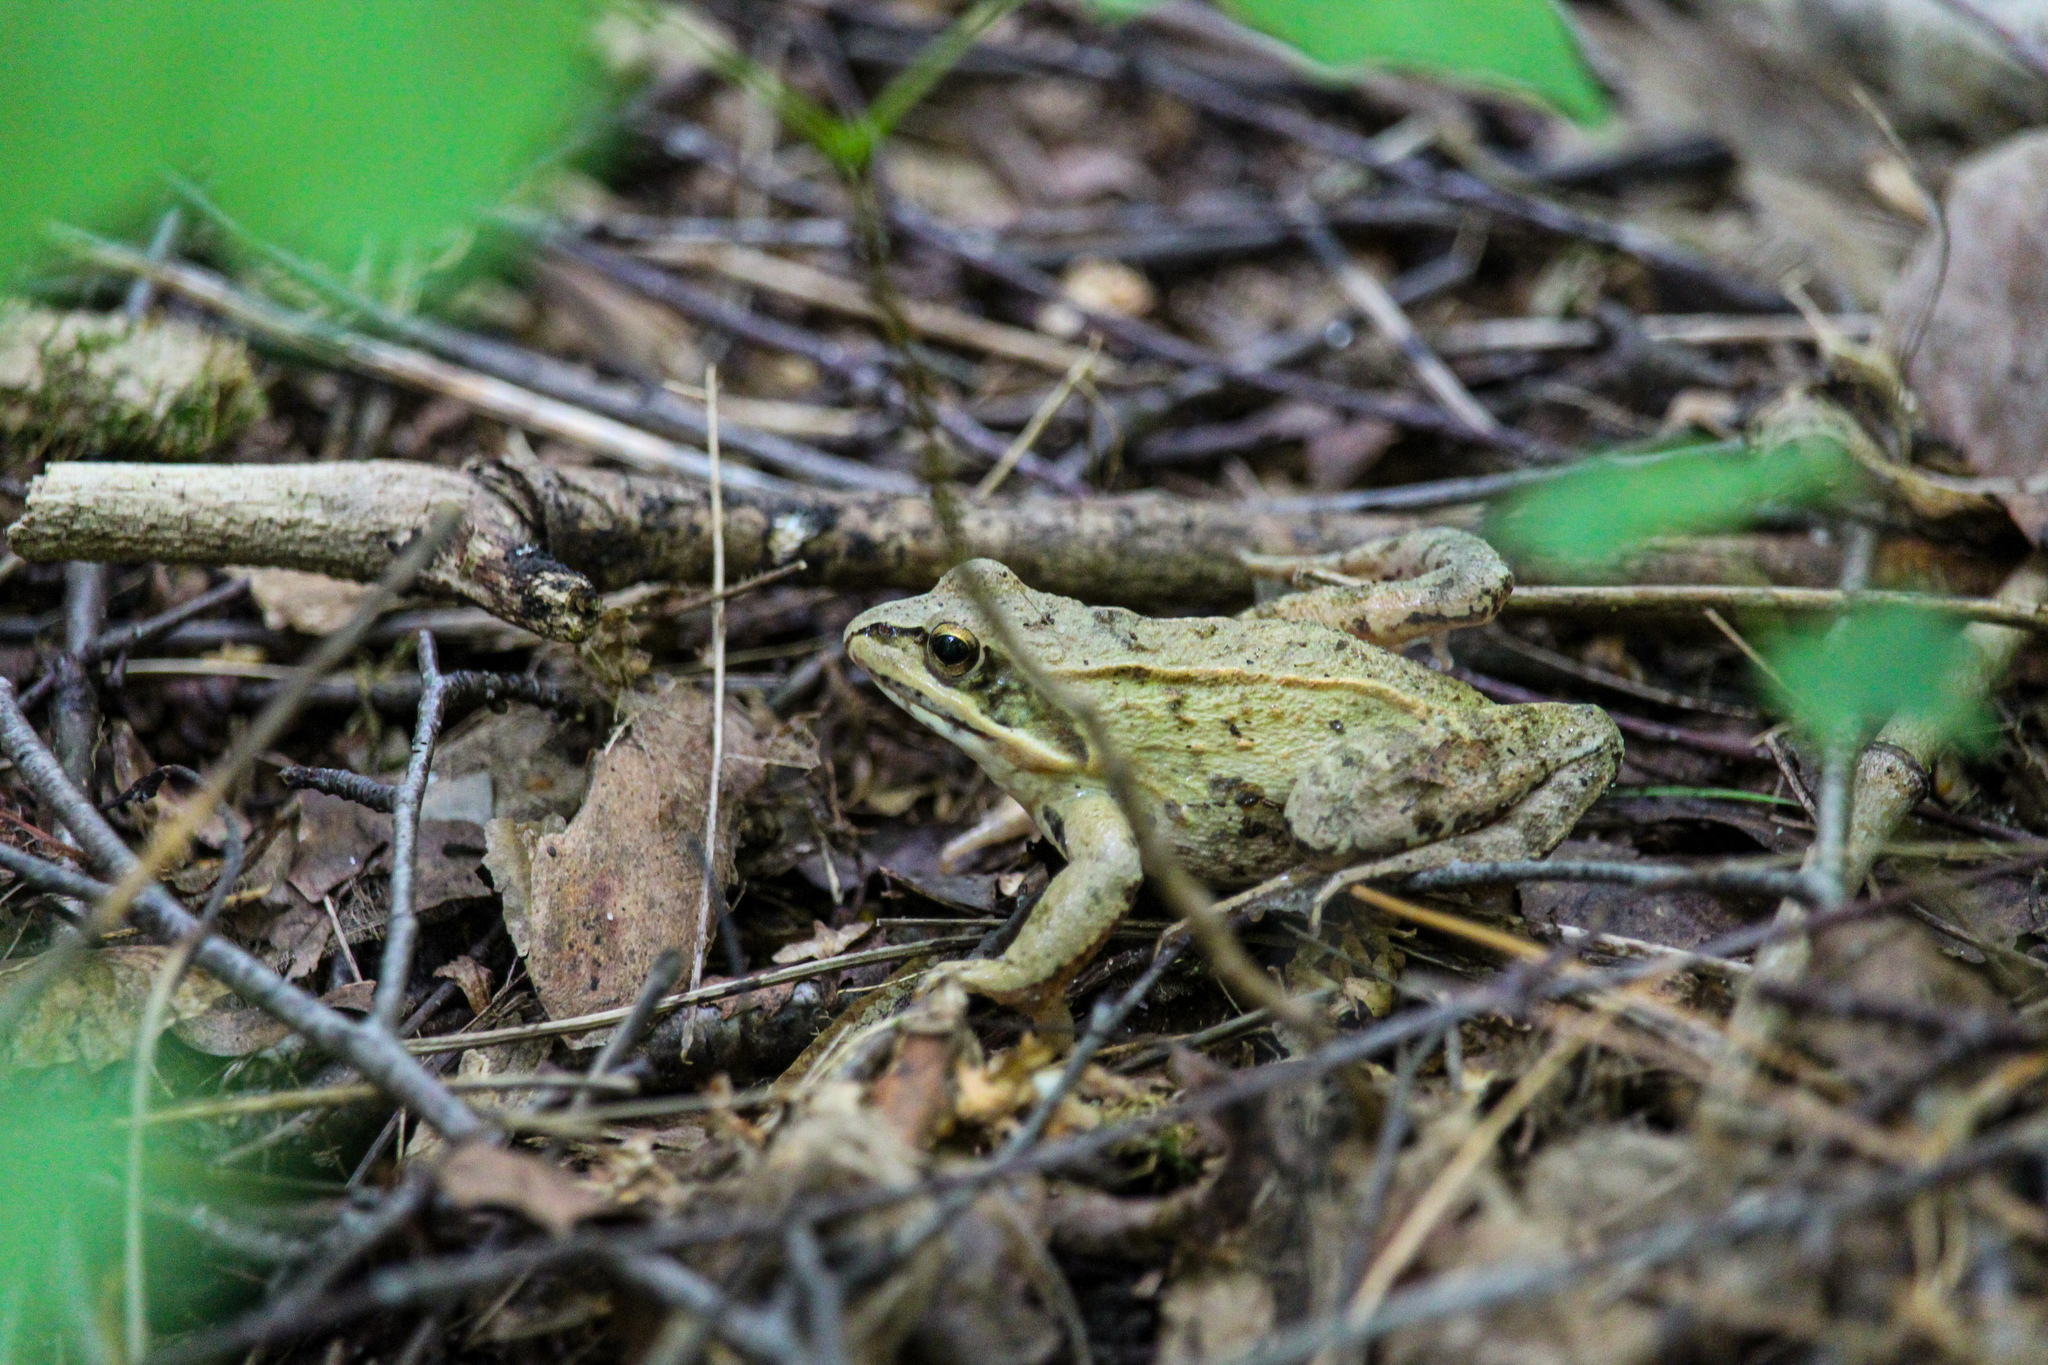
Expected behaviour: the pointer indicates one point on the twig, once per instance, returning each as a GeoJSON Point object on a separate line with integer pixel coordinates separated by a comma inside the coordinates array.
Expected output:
{"type": "Point", "coordinates": [170, 839]}
{"type": "Point", "coordinates": [1371, 298]}
{"type": "Point", "coordinates": [822, 289]}
{"type": "Point", "coordinates": [369, 1049]}
{"type": "Point", "coordinates": [1450, 1183]}
{"type": "Point", "coordinates": [653, 408]}
{"type": "Point", "coordinates": [823, 1300]}
{"type": "Point", "coordinates": [1732, 597]}
{"type": "Point", "coordinates": [1458, 187]}
{"type": "Point", "coordinates": [863, 370]}
{"type": "Point", "coordinates": [691, 143]}
{"type": "Point", "coordinates": [1047, 410]}
{"type": "Point", "coordinates": [1685, 329]}
{"type": "Point", "coordinates": [740, 589]}
{"type": "Point", "coordinates": [364, 791]}
{"type": "Point", "coordinates": [1600, 677]}
{"type": "Point", "coordinates": [584, 1023]}
{"type": "Point", "coordinates": [712, 896]}
{"type": "Point", "coordinates": [401, 929]}
{"type": "Point", "coordinates": [75, 712]}
{"type": "Point", "coordinates": [751, 1330]}
{"type": "Point", "coordinates": [340, 1096]}
{"type": "Point", "coordinates": [1573, 934]}
{"type": "Point", "coordinates": [1756, 1214]}
{"type": "Point", "coordinates": [1728, 746]}
{"type": "Point", "coordinates": [1644, 876]}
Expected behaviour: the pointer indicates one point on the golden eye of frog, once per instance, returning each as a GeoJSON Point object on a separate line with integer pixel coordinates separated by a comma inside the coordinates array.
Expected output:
{"type": "Point", "coordinates": [1257, 743]}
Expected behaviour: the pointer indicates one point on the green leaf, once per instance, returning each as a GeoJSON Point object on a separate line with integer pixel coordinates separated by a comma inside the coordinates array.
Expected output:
{"type": "Point", "coordinates": [1586, 521]}
{"type": "Point", "coordinates": [359, 133]}
{"type": "Point", "coordinates": [1843, 679]}
{"type": "Point", "coordinates": [1519, 45]}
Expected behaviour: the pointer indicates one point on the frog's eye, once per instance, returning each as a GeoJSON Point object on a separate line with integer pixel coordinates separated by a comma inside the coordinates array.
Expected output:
{"type": "Point", "coordinates": [953, 650]}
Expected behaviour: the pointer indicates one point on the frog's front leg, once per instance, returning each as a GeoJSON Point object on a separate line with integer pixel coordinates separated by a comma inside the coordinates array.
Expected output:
{"type": "Point", "coordinates": [1394, 590]}
{"type": "Point", "coordinates": [1074, 917]}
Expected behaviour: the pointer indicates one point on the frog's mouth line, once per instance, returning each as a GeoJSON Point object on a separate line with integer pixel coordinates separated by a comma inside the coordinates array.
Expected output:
{"type": "Point", "coordinates": [993, 744]}
{"type": "Point", "coordinates": [917, 704]}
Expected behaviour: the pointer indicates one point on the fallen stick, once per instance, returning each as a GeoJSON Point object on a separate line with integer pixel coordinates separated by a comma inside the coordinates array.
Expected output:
{"type": "Point", "coordinates": [540, 542]}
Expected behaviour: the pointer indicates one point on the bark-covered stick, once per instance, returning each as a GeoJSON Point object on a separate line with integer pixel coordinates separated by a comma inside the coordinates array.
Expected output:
{"type": "Point", "coordinates": [540, 542]}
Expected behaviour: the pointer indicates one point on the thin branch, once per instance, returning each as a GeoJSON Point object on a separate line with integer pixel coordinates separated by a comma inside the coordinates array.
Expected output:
{"type": "Point", "coordinates": [1731, 597]}
{"type": "Point", "coordinates": [402, 928]}
{"type": "Point", "coordinates": [711, 901]}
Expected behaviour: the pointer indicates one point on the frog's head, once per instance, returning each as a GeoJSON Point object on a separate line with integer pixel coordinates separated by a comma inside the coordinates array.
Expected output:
{"type": "Point", "coordinates": [940, 658]}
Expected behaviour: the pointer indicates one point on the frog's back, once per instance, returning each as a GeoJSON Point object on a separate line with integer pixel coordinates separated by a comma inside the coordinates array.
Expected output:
{"type": "Point", "coordinates": [1115, 649]}
{"type": "Point", "coordinates": [1221, 716]}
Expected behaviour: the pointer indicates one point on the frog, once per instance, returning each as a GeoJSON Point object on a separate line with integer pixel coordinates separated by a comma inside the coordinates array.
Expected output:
{"type": "Point", "coordinates": [1295, 735]}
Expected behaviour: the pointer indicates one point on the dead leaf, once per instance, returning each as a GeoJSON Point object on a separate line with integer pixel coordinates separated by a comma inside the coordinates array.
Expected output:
{"type": "Point", "coordinates": [959, 189]}
{"type": "Point", "coordinates": [298, 939]}
{"type": "Point", "coordinates": [508, 858]}
{"type": "Point", "coordinates": [89, 1016]}
{"type": "Point", "coordinates": [480, 1175]}
{"type": "Point", "coordinates": [623, 883]}
{"type": "Point", "coordinates": [310, 603]}
{"type": "Point", "coordinates": [823, 942]}
{"type": "Point", "coordinates": [473, 977]}
{"type": "Point", "coordinates": [535, 761]}
{"type": "Point", "coordinates": [230, 1029]}
{"type": "Point", "coordinates": [1679, 919]}
{"type": "Point", "coordinates": [1981, 368]}
{"type": "Point", "coordinates": [339, 841]}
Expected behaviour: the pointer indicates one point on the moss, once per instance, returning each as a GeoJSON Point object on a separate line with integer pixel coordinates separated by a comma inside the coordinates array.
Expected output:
{"type": "Point", "coordinates": [94, 385]}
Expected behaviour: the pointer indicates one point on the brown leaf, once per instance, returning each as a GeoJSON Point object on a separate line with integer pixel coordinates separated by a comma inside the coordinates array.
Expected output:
{"type": "Point", "coordinates": [622, 883]}
{"type": "Point", "coordinates": [340, 841]}
{"type": "Point", "coordinates": [823, 942]}
{"type": "Point", "coordinates": [337, 841]}
{"type": "Point", "coordinates": [89, 1016]}
{"type": "Point", "coordinates": [229, 1029]}
{"type": "Point", "coordinates": [298, 939]}
{"type": "Point", "coordinates": [479, 1175]}
{"type": "Point", "coordinates": [1981, 369]}
{"type": "Point", "coordinates": [310, 603]}
{"type": "Point", "coordinates": [535, 761]}
{"type": "Point", "coordinates": [473, 977]}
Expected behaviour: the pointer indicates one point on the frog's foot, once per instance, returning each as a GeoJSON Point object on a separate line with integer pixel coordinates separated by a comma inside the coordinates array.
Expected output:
{"type": "Point", "coordinates": [1528, 829]}
{"type": "Point", "coordinates": [1391, 591]}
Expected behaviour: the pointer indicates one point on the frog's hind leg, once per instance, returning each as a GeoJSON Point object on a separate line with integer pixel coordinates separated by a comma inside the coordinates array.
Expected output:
{"type": "Point", "coordinates": [1071, 921]}
{"type": "Point", "coordinates": [1393, 590]}
{"type": "Point", "coordinates": [1528, 829]}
